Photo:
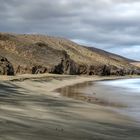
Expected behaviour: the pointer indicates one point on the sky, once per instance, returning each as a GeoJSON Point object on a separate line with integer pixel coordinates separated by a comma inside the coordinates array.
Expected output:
{"type": "Point", "coordinates": [112, 25]}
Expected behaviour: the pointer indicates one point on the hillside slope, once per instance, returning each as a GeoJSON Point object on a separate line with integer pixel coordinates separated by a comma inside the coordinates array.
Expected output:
{"type": "Point", "coordinates": [137, 64]}
{"type": "Point", "coordinates": [110, 55]}
{"type": "Point", "coordinates": [40, 54]}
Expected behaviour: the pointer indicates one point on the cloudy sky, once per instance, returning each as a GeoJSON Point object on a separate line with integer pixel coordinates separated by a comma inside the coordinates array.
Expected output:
{"type": "Point", "coordinates": [112, 25]}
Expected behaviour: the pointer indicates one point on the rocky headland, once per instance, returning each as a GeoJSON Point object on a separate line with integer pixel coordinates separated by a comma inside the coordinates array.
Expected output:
{"type": "Point", "coordinates": [35, 54]}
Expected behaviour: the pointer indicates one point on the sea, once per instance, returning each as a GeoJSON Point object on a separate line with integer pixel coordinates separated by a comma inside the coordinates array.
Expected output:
{"type": "Point", "coordinates": [123, 96]}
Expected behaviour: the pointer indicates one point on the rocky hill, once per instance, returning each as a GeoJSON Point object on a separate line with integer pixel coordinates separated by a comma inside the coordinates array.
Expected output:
{"type": "Point", "coordinates": [39, 54]}
{"type": "Point", "coordinates": [110, 55]}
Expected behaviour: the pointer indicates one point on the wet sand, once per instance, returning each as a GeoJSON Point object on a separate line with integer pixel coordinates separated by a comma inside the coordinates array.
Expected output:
{"type": "Point", "coordinates": [30, 109]}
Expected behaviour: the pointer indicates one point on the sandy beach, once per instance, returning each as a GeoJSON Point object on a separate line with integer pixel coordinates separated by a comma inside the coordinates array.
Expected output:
{"type": "Point", "coordinates": [31, 109]}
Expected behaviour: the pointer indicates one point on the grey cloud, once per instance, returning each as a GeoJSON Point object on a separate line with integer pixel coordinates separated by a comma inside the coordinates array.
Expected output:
{"type": "Point", "coordinates": [107, 24]}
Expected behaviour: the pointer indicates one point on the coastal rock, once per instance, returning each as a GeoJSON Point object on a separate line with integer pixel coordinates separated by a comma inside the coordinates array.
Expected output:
{"type": "Point", "coordinates": [83, 69]}
{"type": "Point", "coordinates": [66, 66]}
{"type": "Point", "coordinates": [40, 54]}
{"type": "Point", "coordinates": [102, 70]}
{"type": "Point", "coordinates": [6, 67]}
{"type": "Point", "coordinates": [20, 69]}
{"type": "Point", "coordinates": [31, 69]}
{"type": "Point", "coordinates": [136, 71]}
{"type": "Point", "coordinates": [39, 70]}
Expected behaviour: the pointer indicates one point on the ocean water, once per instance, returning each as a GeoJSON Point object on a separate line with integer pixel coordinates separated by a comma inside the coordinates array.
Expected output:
{"type": "Point", "coordinates": [128, 92]}
{"type": "Point", "coordinates": [123, 95]}
{"type": "Point", "coordinates": [130, 85]}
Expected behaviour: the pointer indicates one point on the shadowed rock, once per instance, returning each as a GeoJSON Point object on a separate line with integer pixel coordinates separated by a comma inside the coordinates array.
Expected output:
{"type": "Point", "coordinates": [66, 66]}
{"type": "Point", "coordinates": [6, 67]}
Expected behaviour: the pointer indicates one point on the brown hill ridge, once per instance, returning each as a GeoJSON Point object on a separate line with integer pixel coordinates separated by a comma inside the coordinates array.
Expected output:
{"type": "Point", "coordinates": [40, 54]}
{"type": "Point", "coordinates": [137, 64]}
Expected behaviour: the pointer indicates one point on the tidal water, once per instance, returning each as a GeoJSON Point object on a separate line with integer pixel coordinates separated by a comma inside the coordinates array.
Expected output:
{"type": "Point", "coordinates": [128, 92]}
{"type": "Point", "coordinates": [121, 95]}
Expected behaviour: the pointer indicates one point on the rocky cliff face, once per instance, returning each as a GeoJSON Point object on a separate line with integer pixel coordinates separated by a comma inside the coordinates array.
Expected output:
{"type": "Point", "coordinates": [66, 66]}
{"type": "Point", "coordinates": [40, 54]}
{"type": "Point", "coordinates": [6, 67]}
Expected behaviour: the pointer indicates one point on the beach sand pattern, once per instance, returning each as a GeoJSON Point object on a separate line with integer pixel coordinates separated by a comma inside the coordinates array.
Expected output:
{"type": "Point", "coordinates": [31, 110]}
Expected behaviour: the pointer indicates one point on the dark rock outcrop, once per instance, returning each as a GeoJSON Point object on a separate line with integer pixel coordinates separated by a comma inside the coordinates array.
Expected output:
{"type": "Point", "coordinates": [83, 69]}
{"type": "Point", "coordinates": [102, 70]}
{"type": "Point", "coordinates": [6, 67]}
{"type": "Point", "coordinates": [66, 66]}
{"type": "Point", "coordinates": [39, 70]}
{"type": "Point", "coordinates": [106, 70]}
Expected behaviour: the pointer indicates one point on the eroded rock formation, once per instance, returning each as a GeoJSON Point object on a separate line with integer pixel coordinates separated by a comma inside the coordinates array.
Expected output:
{"type": "Point", "coordinates": [66, 66]}
{"type": "Point", "coordinates": [6, 67]}
{"type": "Point", "coordinates": [39, 70]}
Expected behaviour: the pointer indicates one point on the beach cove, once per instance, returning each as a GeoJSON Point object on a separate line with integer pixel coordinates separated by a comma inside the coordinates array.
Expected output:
{"type": "Point", "coordinates": [32, 109]}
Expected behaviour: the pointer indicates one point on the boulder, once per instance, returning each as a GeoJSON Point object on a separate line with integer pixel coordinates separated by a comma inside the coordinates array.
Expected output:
{"type": "Point", "coordinates": [6, 68]}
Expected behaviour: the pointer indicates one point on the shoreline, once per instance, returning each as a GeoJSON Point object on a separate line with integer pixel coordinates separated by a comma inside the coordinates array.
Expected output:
{"type": "Point", "coordinates": [64, 80]}
{"type": "Point", "coordinates": [32, 110]}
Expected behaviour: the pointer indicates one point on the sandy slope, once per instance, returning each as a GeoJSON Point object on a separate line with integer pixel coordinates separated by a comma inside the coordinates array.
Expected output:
{"type": "Point", "coordinates": [30, 110]}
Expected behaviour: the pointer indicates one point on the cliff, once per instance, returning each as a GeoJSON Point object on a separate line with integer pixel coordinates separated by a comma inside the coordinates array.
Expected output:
{"type": "Point", "coordinates": [40, 54]}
